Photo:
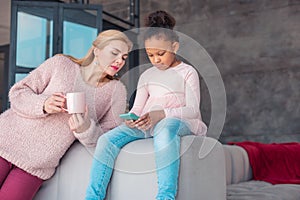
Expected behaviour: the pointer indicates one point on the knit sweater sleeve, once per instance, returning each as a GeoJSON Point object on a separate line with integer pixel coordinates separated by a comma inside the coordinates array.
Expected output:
{"type": "Point", "coordinates": [110, 120]}
{"type": "Point", "coordinates": [26, 96]}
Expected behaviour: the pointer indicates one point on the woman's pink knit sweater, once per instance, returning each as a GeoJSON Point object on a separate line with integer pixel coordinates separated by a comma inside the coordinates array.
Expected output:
{"type": "Point", "coordinates": [35, 141]}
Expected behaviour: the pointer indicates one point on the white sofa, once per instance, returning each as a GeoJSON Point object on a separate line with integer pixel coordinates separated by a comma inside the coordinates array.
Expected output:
{"type": "Point", "coordinates": [240, 185]}
{"type": "Point", "coordinates": [202, 172]}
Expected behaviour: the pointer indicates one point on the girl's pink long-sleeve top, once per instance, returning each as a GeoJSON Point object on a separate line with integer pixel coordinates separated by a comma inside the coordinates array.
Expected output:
{"type": "Point", "coordinates": [35, 141]}
{"type": "Point", "coordinates": [175, 90]}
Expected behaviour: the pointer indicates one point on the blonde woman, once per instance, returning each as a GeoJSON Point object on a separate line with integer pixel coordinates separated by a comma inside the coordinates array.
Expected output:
{"type": "Point", "coordinates": [36, 131]}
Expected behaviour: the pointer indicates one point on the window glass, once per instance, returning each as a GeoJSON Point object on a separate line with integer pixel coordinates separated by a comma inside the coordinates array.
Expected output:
{"type": "Point", "coordinates": [34, 40]}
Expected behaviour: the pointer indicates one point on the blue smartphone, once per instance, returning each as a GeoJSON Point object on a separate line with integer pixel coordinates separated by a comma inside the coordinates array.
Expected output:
{"type": "Point", "coordinates": [129, 116]}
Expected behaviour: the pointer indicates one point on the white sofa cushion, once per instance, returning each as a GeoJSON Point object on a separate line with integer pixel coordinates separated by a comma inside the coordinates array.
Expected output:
{"type": "Point", "coordinates": [260, 190]}
{"type": "Point", "coordinates": [237, 164]}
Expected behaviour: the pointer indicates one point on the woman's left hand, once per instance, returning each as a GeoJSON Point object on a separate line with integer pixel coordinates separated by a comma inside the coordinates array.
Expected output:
{"type": "Point", "coordinates": [80, 122]}
{"type": "Point", "coordinates": [149, 119]}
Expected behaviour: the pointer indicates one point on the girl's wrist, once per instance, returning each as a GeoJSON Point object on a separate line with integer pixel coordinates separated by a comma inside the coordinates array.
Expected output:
{"type": "Point", "coordinates": [162, 114]}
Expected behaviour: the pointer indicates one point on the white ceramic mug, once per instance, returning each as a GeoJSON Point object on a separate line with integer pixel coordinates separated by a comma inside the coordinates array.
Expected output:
{"type": "Point", "coordinates": [75, 102]}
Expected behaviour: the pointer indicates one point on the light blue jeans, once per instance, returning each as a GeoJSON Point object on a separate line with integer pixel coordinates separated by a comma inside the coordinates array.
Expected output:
{"type": "Point", "coordinates": [166, 137]}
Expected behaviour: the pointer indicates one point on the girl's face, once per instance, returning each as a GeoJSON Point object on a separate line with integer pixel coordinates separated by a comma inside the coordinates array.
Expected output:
{"type": "Point", "coordinates": [161, 52]}
{"type": "Point", "coordinates": [112, 57]}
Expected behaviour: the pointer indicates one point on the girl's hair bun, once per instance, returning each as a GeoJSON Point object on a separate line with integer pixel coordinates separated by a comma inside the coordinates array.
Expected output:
{"type": "Point", "coordinates": [160, 19]}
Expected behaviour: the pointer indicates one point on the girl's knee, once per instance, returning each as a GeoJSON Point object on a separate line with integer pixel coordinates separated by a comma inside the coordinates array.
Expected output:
{"type": "Point", "coordinates": [102, 141]}
{"type": "Point", "coordinates": [168, 125]}
{"type": "Point", "coordinates": [108, 136]}
{"type": "Point", "coordinates": [173, 125]}
{"type": "Point", "coordinates": [171, 120]}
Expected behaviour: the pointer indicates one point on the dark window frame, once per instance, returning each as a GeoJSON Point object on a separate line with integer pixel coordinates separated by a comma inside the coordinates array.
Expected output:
{"type": "Point", "coordinates": [57, 17]}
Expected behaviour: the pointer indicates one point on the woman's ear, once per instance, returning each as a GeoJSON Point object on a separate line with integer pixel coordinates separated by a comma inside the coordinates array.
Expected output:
{"type": "Point", "coordinates": [95, 51]}
{"type": "Point", "coordinates": [175, 47]}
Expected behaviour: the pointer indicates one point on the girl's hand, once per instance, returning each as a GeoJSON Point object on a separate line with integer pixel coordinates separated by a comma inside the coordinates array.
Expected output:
{"type": "Point", "coordinates": [80, 122]}
{"type": "Point", "coordinates": [55, 103]}
{"type": "Point", "coordinates": [130, 123]}
{"type": "Point", "coordinates": [149, 119]}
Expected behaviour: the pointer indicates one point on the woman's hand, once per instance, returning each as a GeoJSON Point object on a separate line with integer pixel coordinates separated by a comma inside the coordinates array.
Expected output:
{"type": "Point", "coordinates": [80, 122]}
{"type": "Point", "coordinates": [55, 103]}
{"type": "Point", "coordinates": [149, 119]}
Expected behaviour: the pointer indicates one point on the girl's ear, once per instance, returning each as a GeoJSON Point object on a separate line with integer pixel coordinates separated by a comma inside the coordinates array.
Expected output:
{"type": "Point", "coordinates": [175, 47]}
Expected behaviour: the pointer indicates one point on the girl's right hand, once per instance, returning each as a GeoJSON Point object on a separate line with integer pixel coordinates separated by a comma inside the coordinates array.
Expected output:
{"type": "Point", "coordinates": [55, 103]}
{"type": "Point", "coordinates": [130, 123]}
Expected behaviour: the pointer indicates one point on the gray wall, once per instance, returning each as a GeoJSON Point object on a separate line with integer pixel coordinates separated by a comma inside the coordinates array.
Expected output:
{"type": "Point", "coordinates": [256, 46]}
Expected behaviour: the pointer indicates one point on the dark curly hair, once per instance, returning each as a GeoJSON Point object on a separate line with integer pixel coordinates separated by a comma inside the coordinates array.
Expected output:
{"type": "Point", "coordinates": [160, 24]}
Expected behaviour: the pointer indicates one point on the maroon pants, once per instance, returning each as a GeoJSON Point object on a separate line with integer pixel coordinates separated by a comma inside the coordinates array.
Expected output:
{"type": "Point", "coordinates": [15, 183]}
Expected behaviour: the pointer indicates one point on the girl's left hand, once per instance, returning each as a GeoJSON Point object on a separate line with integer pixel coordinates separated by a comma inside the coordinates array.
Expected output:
{"type": "Point", "coordinates": [80, 122]}
{"type": "Point", "coordinates": [149, 119]}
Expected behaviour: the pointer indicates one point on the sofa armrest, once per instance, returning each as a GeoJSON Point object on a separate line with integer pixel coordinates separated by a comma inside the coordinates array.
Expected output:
{"type": "Point", "coordinates": [202, 171]}
{"type": "Point", "coordinates": [71, 177]}
{"type": "Point", "coordinates": [208, 167]}
{"type": "Point", "coordinates": [238, 168]}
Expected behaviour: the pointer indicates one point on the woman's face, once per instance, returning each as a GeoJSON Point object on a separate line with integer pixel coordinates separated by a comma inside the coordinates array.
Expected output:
{"type": "Point", "coordinates": [161, 52]}
{"type": "Point", "coordinates": [112, 57]}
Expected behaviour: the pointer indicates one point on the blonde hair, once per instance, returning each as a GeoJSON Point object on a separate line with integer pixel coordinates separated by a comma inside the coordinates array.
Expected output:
{"type": "Point", "coordinates": [100, 42]}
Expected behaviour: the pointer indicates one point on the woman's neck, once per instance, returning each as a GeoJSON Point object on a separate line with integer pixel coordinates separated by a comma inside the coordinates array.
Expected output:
{"type": "Point", "coordinates": [93, 76]}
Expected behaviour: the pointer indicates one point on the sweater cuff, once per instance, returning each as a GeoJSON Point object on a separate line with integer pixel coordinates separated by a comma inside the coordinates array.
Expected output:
{"type": "Point", "coordinates": [167, 112]}
{"type": "Point", "coordinates": [89, 137]}
{"type": "Point", "coordinates": [39, 105]}
{"type": "Point", "coordinates": [85, 134]}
